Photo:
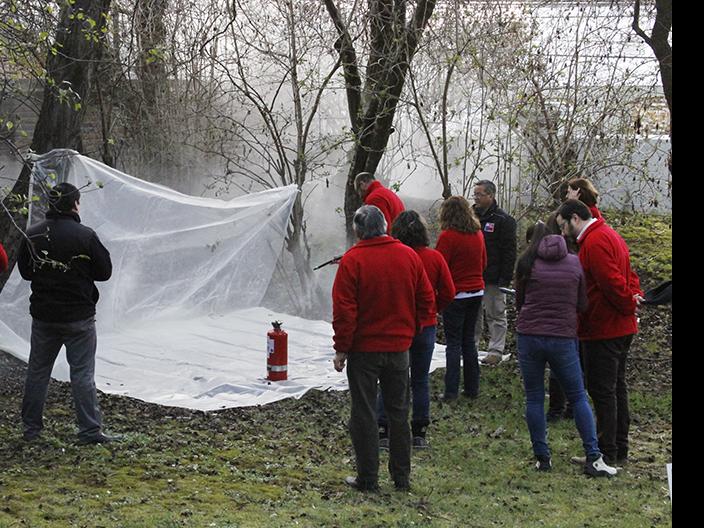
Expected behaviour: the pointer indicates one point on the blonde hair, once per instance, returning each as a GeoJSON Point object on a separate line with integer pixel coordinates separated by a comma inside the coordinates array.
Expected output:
{"type": "Point", "coordinates": [456, 213]}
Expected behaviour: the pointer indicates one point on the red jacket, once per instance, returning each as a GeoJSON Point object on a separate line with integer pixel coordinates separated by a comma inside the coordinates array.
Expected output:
{"type": "Point", "coordinates": [440, 279]}
{"type": "Point", "coordinates": [611, 284]}
{"type": "Point", "coordinates": [380, 296]}
{"type": "Point", "coordinates": [3, 260]}
{"type": "Point", "coordinates": [465, 254]}
{"type": "Point", "coordinates": [386, 200]}
{"type": "Point", "coordinates": [595, 211]}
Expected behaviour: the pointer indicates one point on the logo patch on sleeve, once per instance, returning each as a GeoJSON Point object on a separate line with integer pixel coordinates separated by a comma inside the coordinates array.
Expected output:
{"type": "Point", "coordinates": [489, 227]}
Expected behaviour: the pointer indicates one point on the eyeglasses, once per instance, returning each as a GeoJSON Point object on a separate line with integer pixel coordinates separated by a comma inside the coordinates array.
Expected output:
{"type": "Point", "coordinates": [479, 195]}
{"type": "Point", "coordinates": [563, 225]}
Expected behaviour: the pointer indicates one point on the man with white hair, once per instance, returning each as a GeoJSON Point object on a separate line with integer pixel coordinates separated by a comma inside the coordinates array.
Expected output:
{"type": "Point", "coordinates": [380, 296]}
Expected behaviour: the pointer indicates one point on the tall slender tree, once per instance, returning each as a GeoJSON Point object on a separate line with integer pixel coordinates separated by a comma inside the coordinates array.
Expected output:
{"type": "Point", "coordinates": [391, 45]}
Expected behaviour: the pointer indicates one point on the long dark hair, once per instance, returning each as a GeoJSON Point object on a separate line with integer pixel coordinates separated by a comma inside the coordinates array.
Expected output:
{"type": "Point", "coordinates": [409, 227]}
{"type": "Point", "coordinates": [534, 236]}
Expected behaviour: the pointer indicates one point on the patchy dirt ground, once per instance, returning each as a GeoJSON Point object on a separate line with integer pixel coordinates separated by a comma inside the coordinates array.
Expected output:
{"type": "Point", "coordinates": [650, 371]}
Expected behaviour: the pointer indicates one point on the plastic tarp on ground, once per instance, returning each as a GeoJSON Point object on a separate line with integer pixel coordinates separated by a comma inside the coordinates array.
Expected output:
{"type": "Point", "coordinates": [178, 322]}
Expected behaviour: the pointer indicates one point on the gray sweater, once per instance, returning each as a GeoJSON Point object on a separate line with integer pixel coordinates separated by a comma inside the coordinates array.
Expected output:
{"type": "Point", "coordinates": [554, 294]}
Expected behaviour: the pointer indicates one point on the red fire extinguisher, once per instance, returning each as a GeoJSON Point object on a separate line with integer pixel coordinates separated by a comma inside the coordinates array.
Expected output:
{"type": "Point", "coordinates": [277, 353]}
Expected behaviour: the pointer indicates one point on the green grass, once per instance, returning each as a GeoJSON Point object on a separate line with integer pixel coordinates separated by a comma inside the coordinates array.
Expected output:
{"type": "Point", "coordinates": [283, 465]}
{"type": "Point", "coordinates": [649, 238]}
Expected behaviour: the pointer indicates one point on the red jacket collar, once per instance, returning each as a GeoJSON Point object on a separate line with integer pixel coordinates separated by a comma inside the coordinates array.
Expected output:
{"type": "Point", "coordinates": [373, 186]}
{"type": "Point", "coordinates": [596, 225]}
{"type": "Point", "coordinates": [376, 241]}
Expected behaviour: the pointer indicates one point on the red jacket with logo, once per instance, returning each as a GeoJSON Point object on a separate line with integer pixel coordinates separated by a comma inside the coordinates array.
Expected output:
{"type": "Point", "coordinates": [386, 200]}
{"type": "Point", "coordinates": [611, 284]}
{"type": "Point", "coordinates": [380, 297]}
{"type": "Point", "coordinates": [440, 279]}
{"type": "Point", "coordinates": [465, 254]}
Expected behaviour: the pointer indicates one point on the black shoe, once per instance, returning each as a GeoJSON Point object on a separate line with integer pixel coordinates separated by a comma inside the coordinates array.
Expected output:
{"type": "Point", "coordinates": [447, 397]}
{"type": "Point", "coordinates": [596, 467]}
{"type": "Point", "coordinates": [553, 416]}
{"type": "Point", "coordinates": [543, 464]}
{"type": "Point", "coordinates": [419, 442]}
{"type": "Point", "coordinates": [100, 439]}
{"type": "Point", "coordinates": [402, 485]}
{"type": "Point", "coordinates": [30, 437]}
{"type": "Point", "coordinates": [361, 486]}
{"type": "Point", "coordinates": [470, 395]}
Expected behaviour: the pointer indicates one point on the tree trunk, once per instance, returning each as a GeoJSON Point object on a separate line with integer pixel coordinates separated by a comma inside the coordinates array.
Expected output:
{"type": "Point", "coordinates": [314, 300]}
{"type": "Point", "coordinates": [659, 43]}
{"type": "Point", "coordinates": [393, 45]}
{"type": "Point", "coordinates": [62, 112]}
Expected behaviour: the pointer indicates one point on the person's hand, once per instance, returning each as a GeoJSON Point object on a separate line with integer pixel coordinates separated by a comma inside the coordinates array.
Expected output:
{"type": "Point", "coordinates": [339, 361]}
{"type": "Point", "coordinates": [638, 298]}
{"type": "Point", "coordinates": [573, 194]}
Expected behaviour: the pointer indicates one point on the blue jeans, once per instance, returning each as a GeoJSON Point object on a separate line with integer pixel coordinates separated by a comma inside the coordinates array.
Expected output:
{"type": "Point", "coordinates": [562, 354]}
{"type": "Point", "coordinates": [460, 319]}
{"type": "Point", "coordinates": [421, 354]}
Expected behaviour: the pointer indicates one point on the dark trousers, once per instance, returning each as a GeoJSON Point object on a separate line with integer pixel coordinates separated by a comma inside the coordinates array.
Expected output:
{"type": "Point", "coordinates": [81, 341]}
{"type": "Point", "coordinates": [460, 319]}
{"type": "Point", "coordinates": [390, 371]}
{"type": "Point", "coordinates": [605, 373]}
{"type": "Point", "coordinates": [421, 355]}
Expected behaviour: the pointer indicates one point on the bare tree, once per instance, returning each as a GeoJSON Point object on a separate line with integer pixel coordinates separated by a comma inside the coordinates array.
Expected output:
{"type": "Point", "coordinates": [393, 38]}
{"type": "Point", "coordinates": [69, 65]}
{"type": "Point", "coordinates": [659, 42]}
{"type": "Point", "coordinates": [272, 71]}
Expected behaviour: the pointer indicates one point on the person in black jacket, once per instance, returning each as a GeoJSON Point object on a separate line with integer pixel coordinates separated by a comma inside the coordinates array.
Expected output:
{"type": "Point", "coordinates": [499, 230]}
{"type": "Point", "coordinates": [62, 259]}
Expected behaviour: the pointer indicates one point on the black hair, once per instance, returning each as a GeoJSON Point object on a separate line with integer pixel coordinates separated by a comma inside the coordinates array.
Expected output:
{"type": "Point", "coordinates": [410, 229]}
{"type": "Point", "coordinates": [524, 266]}
{"type": "Point", "coordinates": [572, 207]}
{"type": "Point", "coordinates": [63, 197]}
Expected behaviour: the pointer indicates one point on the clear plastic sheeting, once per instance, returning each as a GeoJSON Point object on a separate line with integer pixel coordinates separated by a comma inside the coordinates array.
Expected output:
{"type": "Point", "coordinates": [179, 323]}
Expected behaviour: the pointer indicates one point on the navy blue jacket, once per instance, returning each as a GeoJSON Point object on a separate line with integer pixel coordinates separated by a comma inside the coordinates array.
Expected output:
{"type": "Point", "coordinates": [499, 230]}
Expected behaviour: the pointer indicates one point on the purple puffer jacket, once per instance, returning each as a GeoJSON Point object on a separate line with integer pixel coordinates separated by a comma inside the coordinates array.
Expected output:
{"type": "Point", "coordinates": [554, 294]}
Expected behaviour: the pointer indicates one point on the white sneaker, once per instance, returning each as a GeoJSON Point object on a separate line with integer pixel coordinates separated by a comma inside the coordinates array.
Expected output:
{"type": "Point", "coordinates": [596, 467]}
